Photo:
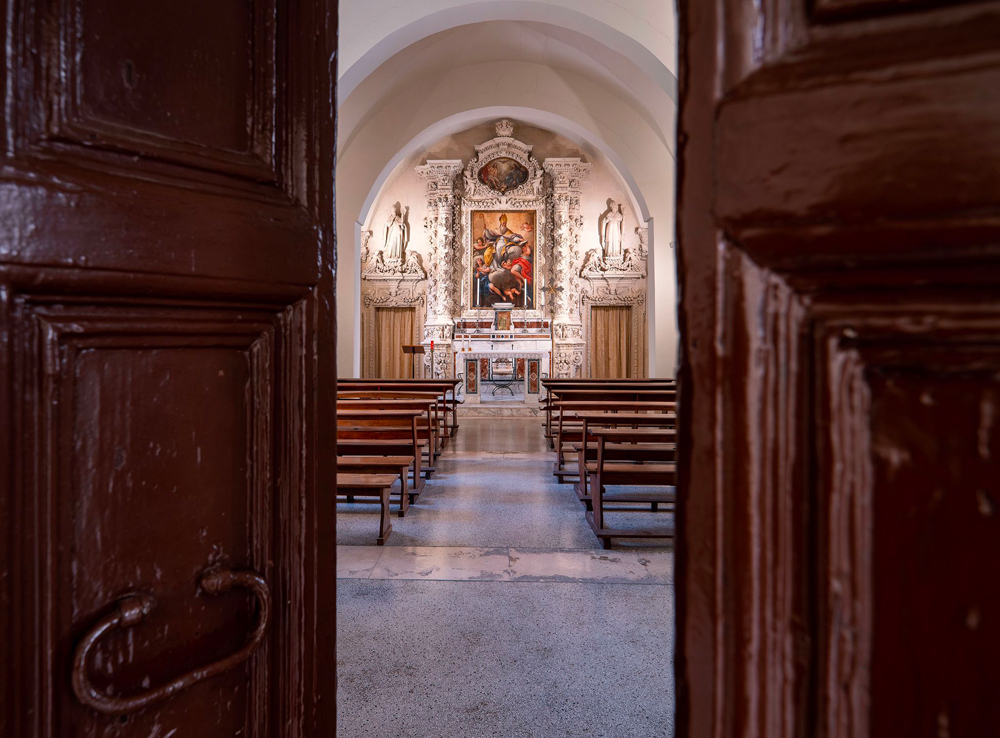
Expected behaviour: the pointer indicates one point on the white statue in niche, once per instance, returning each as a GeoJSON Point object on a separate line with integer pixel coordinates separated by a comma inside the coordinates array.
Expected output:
{"type": "Point", "coordinates": [395, 235]}
{"type": "Point", "coordinates": [611, 231]}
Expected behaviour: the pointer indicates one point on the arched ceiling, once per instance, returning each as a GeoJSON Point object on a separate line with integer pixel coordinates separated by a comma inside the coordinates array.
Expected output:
{"type": "Point", "coordinates": [373, 31]}
{"type": "Point", "coordinates": [599, 97]}
{"type": "Point", "coordinates": [427, 67]}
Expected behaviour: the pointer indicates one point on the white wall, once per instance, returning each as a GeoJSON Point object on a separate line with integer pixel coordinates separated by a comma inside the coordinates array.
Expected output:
{"type": "Point", "coordinates": [598, 97]}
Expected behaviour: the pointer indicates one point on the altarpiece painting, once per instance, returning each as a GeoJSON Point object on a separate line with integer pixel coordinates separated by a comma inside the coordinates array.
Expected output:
{"type": "Point", "coordinates": [502, 259]}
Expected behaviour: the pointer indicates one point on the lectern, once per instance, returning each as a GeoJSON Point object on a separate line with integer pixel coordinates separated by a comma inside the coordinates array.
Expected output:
{"type": "Point", "coordinates": [413, 349]}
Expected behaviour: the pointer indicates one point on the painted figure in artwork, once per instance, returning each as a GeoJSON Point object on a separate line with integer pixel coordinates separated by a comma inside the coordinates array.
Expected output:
{"type": "Point", "coordinates": [488, 250]}
{"type": "Point", "coordinates": [503, 174]}
{"type": "Point", "coordinates": [520, 267]}
{"type": "Point", "coordinates": [483, 271]}
{"type": "Point", "coordinates": [502, 258]}
{"type": "Point", "coordinates": [395, 235]}
{"type": "Point", "coordinates": [611, 231]}
{"type": "Point", "coordinates": [503, 238]}
{"type": "Point", "coordinates": [503, 283]}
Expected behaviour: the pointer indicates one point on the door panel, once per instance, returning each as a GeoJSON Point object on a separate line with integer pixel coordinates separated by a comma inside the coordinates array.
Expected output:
{"type": "Point", "coordinates": [225, 63]}
{"type": "Point", "coordinates": [838, 230]}
{"type": "Point", "coordinates": [187, 468]}
{"type": "Point", "coordinates": [166, 368]}
{"type": "Point", "coordinates": [184, 82]}
{"type": "Point", "coordinates": [934, 495]}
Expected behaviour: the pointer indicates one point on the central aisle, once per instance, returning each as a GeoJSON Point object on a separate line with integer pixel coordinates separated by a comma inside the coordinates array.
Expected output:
{"type": "Point", "coordinates": [493, 610]}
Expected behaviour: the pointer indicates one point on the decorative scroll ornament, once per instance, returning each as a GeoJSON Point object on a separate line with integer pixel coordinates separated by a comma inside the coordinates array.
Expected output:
{"type": "Point", "coordinates": [643, 233]}
{"type": "Point", "coordinates": [410, 268]}
{"type": "Point", "coordinates": [630, 265]}
{"type": "Point", "coordinates": [505, 128]}
{"type": "Point", "coordinates": [366, 237]}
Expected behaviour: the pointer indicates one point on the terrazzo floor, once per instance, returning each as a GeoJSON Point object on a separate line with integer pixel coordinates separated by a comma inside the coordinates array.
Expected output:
{"type": "Point", "coordinates": [510, 620]}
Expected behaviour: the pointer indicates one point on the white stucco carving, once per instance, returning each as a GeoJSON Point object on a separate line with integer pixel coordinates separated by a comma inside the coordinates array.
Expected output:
{"type": "Point", "coordinates": [439, 178]}
{"type": "Point", "coordinates": [613, 260]}
{"type": "Point", "coordinates": [505, 128]}
{"type": "Point", "coordinates": [366, 237]}
{"type": "Point", "coordinates": [643, 233]}
{"type": "Point", "coordinates": [530, 195]}
{"type": "Point", "coordinates": [571, 220]}
{"type": "Point", "coordinates": [395, 236]}
{"type": "Point", "coordinates": [611, 231]}
{"type": "Point", "coordinates": [393, 261]}
{"type": "Point", "coordinates": [503, 147]}
{"type": "Point", "coordinates": [566, 175]}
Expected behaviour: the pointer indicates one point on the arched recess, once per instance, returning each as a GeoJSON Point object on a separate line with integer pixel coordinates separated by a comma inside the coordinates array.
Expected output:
{"type": "Point", "coordinates": [627, 33]}
{"type": "Point", "coordinates": [660, 281]}
{"type": "Point", "coordinates": [576, 133]}
{"type": "Point", "coordinates": [399, 109]}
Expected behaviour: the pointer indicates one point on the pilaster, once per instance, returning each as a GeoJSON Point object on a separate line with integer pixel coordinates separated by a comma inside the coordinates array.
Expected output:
{"type": "Point", "coordinates": [440, 177]}
{"type": "Point", "coordinates": [566, 175]}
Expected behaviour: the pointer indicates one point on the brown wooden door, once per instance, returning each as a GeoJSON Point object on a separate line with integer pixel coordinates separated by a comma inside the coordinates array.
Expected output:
{"type": "Point", "coordinates": [166, 368]}
{"type": "Point", "coordinates": [839, 233]}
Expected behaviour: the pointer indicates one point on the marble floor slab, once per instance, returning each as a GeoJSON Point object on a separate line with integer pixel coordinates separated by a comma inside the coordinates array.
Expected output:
{"type": "Point", "coordinates": [443, 563]}
{"type": "Point", "coordinates": [356, 562]}
{"type": "Point", "coordinates": [502, 564]}
{"type": "Point", "coordinates": [609, 567]}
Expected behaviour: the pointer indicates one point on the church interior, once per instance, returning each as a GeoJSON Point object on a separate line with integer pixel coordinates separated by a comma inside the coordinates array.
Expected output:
{"type": "Point", "coordinates": [514, 368]}
{"type": "Point", "coordinates": [506, 273]}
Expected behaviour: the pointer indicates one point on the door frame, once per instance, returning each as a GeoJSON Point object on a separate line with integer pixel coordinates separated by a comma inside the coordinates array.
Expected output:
{"type": "Point", "coordinates": [783, 316]}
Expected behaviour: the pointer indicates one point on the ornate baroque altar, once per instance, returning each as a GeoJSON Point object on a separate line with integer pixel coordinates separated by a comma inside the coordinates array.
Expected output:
{"type": "Point", "coordinates": [505, 228]}
{"type": "Point", "coordinates": [551, 328]}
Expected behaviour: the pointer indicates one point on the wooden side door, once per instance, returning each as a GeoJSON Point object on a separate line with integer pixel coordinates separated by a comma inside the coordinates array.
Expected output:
{"type": "Point", "coordinates": [839, 233]}
{"type": "Point", "coordinates": [167, 368]}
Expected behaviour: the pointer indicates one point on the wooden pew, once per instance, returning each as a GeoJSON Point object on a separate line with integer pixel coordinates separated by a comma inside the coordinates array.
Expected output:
{"type": "Point", "coordinates": [442, 407]}
{"type": "Point", "coordinates": [658, 476]}
{"type": "Point", "coordinates": [427, 425]}
{"type": "Point", "coordinates": [586, 449]}
{"type": "Point", "coordinates": [556, 387]}
{"type": "Point", "coordinates": [446, 386]}
{"type": "Point", "coordinates": [569, 428]}
{"type": "Point", "coordinates": [369, 486]}
{"type": "Point", "coordinates": [382, 433]}
{"type": "Point", "coordinates": [608, 380]}
{"type": "Point", "coordinates": [612, 393]}
{"type": "Point", "coordinates": [385, 447]}
{"type": "Point", "coordinates": [399, 466]}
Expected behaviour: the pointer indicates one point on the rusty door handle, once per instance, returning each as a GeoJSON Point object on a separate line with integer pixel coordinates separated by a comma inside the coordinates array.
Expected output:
{"type": "Point", "coordinates": [134, 609]}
